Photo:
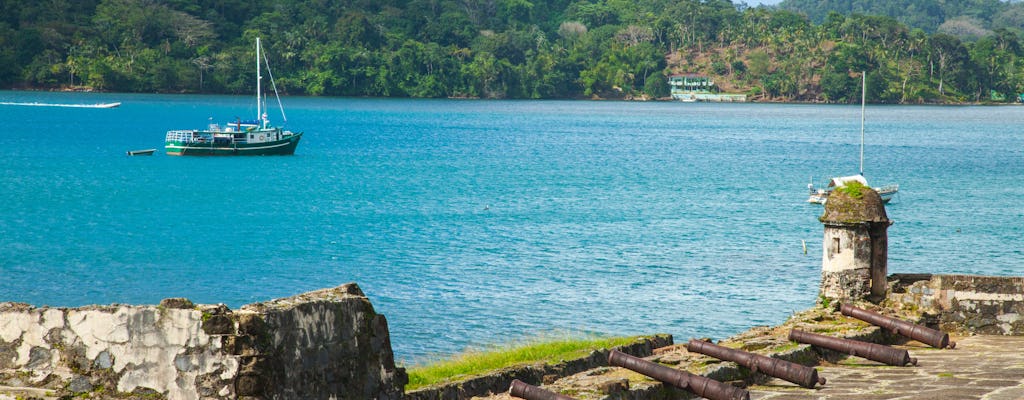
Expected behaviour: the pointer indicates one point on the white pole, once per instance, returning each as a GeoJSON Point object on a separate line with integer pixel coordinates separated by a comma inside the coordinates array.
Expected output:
{"type": "Point", "coordinates": [259, 111]}
{"type": "Point", "coordinates": [863, 98]}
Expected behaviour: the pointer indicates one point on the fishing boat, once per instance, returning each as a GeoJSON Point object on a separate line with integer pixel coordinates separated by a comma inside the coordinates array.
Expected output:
{"type": "Point", "coordinates": [238, 138]}
{"type": "Point", "coordinates": [820, 195]}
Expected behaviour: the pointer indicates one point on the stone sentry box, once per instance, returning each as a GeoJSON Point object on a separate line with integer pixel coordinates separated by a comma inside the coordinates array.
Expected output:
{"type": "Point", "coordinates": [855, 246]}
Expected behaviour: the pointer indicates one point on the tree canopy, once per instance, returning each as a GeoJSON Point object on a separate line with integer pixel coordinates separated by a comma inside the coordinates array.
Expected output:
{"type": "Point", "coordinates": [803, 50]}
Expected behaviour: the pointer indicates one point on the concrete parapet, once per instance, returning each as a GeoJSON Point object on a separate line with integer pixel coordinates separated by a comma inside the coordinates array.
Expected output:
{"type": "Point", "coordinates": [319, 345]}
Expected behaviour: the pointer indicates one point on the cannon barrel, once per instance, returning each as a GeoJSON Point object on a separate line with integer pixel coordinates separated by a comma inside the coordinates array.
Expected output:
{"type": "Point", "coordinates": [929, 336]}
{"type": "Point", "coordinates": [782, 369]}
{"type": "Point", "coordinates": [699, 385]}
{"type": "Point", "coordinates": [526, 391]}
{"type": "Point", "coordinates": [870, 351]}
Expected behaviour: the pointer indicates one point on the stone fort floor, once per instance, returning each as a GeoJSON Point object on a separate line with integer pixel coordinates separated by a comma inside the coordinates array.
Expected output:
{"type": "Point", "coordinates": [980, 367]}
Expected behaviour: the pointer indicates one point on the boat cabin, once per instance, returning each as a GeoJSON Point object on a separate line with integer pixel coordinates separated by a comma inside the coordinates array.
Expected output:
{"type": "Point", "coordinates": [226, 136]}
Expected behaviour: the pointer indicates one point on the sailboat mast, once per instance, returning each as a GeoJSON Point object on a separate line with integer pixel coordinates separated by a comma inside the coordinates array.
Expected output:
{"type": "Point", "coordinates": [259, 111]}
{"type": "Point", "coordinates": [863, 96]}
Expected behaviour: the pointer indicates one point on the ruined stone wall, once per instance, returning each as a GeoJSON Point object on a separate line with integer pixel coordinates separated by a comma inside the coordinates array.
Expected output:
{"type": "Point", "coordinates": [319, 345]}
{"type": "Point", "coordinates": [966, 304]}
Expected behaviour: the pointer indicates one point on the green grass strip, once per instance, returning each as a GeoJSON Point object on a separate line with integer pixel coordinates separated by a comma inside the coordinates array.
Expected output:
{"type": "Point", "coordinates": [475, 363]}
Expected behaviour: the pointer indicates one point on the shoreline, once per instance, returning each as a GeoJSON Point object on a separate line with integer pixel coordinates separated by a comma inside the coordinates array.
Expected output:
{"type": "Point", "coordinates": [579, 98]}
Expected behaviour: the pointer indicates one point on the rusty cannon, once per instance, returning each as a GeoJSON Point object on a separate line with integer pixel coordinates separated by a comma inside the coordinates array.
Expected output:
{"type": "Point", "coordinates": [699, 385]}
{"type": "Point", "coordinates": [870, 351]}
{"type": "Point", "coordinates": [526, 391]}
{"type": "Point", "coordinates": [932, 337]}
{"type": "Point", "coordinates": [774, 367]}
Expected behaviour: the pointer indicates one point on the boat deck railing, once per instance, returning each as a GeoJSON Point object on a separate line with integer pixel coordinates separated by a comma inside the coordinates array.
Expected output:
{"type": "Point", "coordinates": [184, 136]}
{"type": "Point", "coordinates": [192, 136]}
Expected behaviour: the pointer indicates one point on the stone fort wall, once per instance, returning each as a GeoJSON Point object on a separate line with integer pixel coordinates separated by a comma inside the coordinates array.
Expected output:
{"type": "Point", "coordinates": [327, 344]}
{"type": "Point", "coordinates": [964, 304]}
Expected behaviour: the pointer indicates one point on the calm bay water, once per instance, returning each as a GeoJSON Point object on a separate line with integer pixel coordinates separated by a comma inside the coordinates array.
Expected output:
{"type": "Point", "coordinates": [472, 223]}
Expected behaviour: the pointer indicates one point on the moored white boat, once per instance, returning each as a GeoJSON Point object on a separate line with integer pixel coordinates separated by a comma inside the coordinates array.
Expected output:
{"type": "Point", "coordinates": [820, 195]}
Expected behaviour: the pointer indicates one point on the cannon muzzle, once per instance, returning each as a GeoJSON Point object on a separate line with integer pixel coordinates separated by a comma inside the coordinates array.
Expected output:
{"type": "Point", "coordinates": [923, 334]}
{"type": "Point", "coordinates": [799, 374]}
{"type": "Point", "coordinates": [526, 391]}
{"type": "Point", "coordinates": [870, 351]}
{"type": "Point", "coordinates": [699, 385]}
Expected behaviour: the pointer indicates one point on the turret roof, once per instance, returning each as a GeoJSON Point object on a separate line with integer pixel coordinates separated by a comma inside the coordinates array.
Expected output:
{"type": "Point", "coordinates": [854, 206]}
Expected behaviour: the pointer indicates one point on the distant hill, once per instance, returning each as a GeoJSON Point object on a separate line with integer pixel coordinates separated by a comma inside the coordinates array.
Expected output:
{"type": "Point", "coordinates": [943, 50]}
{"type": "Point", "coordinates": [957, 17]}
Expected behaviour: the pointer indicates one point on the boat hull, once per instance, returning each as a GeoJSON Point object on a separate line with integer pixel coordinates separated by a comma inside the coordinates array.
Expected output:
{"type": "Point", "coordinates": [886, 193]}
{"type": "Point", "coordinates": [285, 146]}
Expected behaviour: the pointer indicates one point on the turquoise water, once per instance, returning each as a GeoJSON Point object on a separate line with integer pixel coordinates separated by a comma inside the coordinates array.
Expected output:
{"type": "Point", "coordinates": [471, 223]}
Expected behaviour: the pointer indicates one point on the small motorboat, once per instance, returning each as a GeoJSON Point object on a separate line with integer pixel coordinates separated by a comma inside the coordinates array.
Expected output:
{"type": "Point", "coordinates": [144, 152]}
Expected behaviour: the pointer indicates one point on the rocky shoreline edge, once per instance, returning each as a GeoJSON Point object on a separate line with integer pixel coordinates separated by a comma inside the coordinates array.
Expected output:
{"type": "Point", "coordinates": [600, 381]}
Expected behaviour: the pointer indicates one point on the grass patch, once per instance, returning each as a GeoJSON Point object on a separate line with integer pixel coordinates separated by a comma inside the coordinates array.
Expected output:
{"type": "Point", "coordinates": [474, 363]}
{"type": "Point", "coordinates": [854, 189]}
{"type": "Point", "coordinates": [786, 347]}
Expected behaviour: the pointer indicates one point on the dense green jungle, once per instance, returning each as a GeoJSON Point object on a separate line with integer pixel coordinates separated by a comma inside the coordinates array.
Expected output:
{"type": "Point", "coordinates": [914, 51]}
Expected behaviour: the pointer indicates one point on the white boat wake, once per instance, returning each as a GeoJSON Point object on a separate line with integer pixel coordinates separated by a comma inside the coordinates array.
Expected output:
{"type": "Point", "coordinates": [97, 105]}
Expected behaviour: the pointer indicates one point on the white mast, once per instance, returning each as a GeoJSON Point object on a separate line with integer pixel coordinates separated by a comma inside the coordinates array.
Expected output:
{"type": "Point", "coordinates": [259, 111]}
{"type": "Point", "coordinates": [863, 95]}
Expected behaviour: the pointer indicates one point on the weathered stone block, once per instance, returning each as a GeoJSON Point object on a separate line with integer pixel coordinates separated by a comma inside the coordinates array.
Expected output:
{"type": "Point", "coordinates": [8, 353]}
{"type": "Point", "coordinates": [177, 303]}
{"type": "Point", "coordinates": [251, 324]}
{"type": "Point", "coordinates": [240, 345]}
{"type": "Point", "coordinates": [253, 364]}
{"type": "Point", "coordinates": [103, 360]}
{"type": "Point", "coordinates": [38, 357]}
{"type": "Point", "coordinates": [218, 325]}
{"type": "Point", "coordinates": [79, 384]}
{"type": "Point", "coordinates": [249, 385]}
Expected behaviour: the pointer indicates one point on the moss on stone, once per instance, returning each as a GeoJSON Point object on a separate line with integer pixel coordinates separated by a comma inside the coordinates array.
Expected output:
{"type": "Point", "coordinates": [784, 348]}
{"type": "Point", "coordinates": [178, 303]}
{"type": "Point", "coordinates": [853, 204]}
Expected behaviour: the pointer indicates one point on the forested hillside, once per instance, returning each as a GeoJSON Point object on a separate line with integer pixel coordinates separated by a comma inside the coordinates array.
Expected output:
{"type": "Point", "coordinates": [503, 49]}
{"type": "Point", "coordinates": [963, 17]}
